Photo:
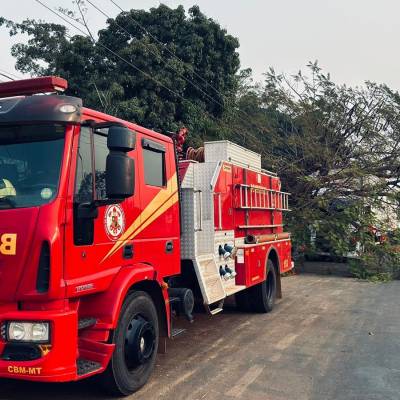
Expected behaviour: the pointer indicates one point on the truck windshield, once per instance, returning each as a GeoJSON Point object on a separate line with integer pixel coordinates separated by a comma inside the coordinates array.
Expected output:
{"type": "Point", "coordinates": [30, 160]}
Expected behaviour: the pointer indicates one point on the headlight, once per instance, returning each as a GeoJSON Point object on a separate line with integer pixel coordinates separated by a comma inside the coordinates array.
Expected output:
{"type": "Point", "coordinates": [28, 332]}
{"type": "Point", "coordinates": [68, 108]}
{"type": "Point", "coordinates": [16, 331]}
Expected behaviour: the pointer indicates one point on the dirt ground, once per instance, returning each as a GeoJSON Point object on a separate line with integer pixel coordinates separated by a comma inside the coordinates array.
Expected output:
{"type": "Point", "coordinates": [329, 338]}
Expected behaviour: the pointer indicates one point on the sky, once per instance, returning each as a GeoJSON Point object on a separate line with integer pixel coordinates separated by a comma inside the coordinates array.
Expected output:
{"type": "Point", "coordinates": [353, 40]}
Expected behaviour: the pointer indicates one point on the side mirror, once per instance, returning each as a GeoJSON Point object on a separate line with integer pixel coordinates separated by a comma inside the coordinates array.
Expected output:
{"type": "Point", "coordinates": [120, 173]}
{"type": "Point", "coordinates": [120, 139]}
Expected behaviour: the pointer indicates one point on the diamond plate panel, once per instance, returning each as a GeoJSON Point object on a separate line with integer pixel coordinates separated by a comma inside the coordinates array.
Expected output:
{"type": "Point", "coordinates": [201, 246]}
{"type": "Point", "coordinates": [189, 210]}
{"type": "Point", "coordinates": [188, 180]}
{"type": "Point", "coordinates": [224, 150]}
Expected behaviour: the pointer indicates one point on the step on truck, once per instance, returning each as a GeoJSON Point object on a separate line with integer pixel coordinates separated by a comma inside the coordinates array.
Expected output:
{"type": "Point", "coordinates": [106, 238]}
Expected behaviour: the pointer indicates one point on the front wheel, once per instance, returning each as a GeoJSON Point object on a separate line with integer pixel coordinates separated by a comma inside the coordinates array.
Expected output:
{"type": "Point", "coordinates": [136, 344]}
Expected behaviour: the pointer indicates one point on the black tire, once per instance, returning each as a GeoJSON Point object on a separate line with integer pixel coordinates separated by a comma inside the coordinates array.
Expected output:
{"type": "Point", "coordinates": [128, 371]}
{"type": "Point", "coordinates": [263, 295]}
{"type": "Point", "coordinates": [260, 298]}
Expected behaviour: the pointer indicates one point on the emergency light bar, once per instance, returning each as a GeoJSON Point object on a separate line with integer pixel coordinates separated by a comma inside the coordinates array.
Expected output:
{"type": "Point", "coordinates": [26, 87]}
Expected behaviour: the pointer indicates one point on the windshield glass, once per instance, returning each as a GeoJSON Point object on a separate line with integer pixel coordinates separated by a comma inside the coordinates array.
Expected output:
{"type": "Point", "coordinates": [30, 160]}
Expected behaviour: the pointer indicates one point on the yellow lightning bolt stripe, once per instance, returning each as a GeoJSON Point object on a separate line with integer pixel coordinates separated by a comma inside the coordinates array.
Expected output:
{"type": "Point", "coordinates": [164, 199]}
{"type": "Point", "coordinates": [161, 210]}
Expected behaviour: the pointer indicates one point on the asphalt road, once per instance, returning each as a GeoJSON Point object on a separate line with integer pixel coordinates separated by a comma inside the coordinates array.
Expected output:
{"type": "Point", "coordinates": [329, 338]}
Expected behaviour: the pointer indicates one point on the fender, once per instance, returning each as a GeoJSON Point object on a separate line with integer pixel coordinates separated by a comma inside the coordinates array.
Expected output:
{"type": "Point", "coordinates": [272, 247]}
{"type": "Point", "coordinates": [108, 304]}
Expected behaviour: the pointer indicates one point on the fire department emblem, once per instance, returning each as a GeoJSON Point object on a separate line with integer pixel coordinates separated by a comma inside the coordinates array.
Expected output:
{"type": "Point", "coordinates": [114, 221]}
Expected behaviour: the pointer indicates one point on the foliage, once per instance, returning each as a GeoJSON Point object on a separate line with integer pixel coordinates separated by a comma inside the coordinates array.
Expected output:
{"type": "Point", "coordinates": [336, 148]}
{"type": "Point", "coordinates": [189, 70]}
{"type": "Point", "coordinates": [377, 263]}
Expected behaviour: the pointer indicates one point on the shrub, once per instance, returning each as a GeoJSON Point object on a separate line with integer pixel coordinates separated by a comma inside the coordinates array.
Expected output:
{"type": "Point", "coordinates": [377, 262]}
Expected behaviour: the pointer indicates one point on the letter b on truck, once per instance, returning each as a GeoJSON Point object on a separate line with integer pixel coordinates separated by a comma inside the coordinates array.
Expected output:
{"type": "Point", "coordinates": [8, 244]}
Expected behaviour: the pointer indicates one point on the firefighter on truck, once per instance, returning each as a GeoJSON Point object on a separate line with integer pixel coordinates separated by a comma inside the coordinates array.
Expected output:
{"type": "Point", "coordinates": [94, 263]}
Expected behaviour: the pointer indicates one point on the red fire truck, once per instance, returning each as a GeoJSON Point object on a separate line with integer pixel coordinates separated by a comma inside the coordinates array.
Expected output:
{"type": "Point", "coordinates": [105, 238]}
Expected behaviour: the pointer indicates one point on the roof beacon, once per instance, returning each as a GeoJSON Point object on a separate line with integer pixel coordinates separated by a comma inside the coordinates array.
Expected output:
{"type": "Point", "coordinates": [27, 87]}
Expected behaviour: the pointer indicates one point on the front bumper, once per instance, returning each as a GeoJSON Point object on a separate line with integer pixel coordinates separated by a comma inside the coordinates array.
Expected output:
{"type": "Point", "coordinates": [58, 362]}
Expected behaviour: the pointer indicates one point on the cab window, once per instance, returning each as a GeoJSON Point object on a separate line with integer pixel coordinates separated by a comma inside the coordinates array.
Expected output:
{"type": "Point", "coordinates": [100, 156]}
{"type": "Point", "coordinates": [84, 172]}
{"type": "Point", "coordinates": [154, 163]}
{"type": "Point", "coordinates": [84, 175]}
{"type": "Point", "coordinates": [89, 186]}
{"type": "Point", "coordinates": [30, 164]}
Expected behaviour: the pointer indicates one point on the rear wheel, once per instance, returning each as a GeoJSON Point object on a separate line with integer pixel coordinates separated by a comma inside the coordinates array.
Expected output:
{"type": "Point", "coordinates": [136, 344]}
{"type": "Point", "coordinates": [264, 294]}
{"type": "Point", "coordinates": [261, 297]}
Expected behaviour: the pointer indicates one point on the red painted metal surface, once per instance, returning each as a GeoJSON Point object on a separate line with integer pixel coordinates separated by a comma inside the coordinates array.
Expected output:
{"type": "Point", "coordinates": [59, 364]}
{"type": "Point", "coordinates": [91, 281]}
{"type": "Point", "coordinates": [91, 278]}
{"type": "Point", "coordinates": [228, 215]}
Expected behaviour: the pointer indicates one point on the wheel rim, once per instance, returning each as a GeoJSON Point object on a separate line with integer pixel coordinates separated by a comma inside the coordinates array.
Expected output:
{"type": "Point", "coordinates": [140, 341]}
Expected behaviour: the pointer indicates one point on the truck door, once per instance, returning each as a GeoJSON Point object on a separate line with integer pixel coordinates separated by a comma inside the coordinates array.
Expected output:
{"type": "Point", "coordinates": [159, 238]}
{"type": "Point", "coordinates": [93, 234]}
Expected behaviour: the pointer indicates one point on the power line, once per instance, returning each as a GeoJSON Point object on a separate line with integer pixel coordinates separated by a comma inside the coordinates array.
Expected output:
{"type": "Point", "coordinates": [157, 55]}
{"type": "Point", "coordinates": [134, 66]}
{"type": "Point", "coordinates": [119, 56]}
{"type": "Point", "coordinates": [126, 61]}
{"type": "Point", "coordinates": [111, 51]}
{"type": "Point", "coordinates": [60, 16]}
{"type": "Point", "coordinates": [163, 45]}
{"type": "Point", "coordinates": [129, 15]}
{"type": "Point", "coordinates": [6, 76]}
{"type": "Point", "coordinates": [9, 74]}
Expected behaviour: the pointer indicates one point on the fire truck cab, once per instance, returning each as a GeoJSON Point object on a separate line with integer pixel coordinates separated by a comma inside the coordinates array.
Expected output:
{"type": "Point", "coordinates": [104, 237]}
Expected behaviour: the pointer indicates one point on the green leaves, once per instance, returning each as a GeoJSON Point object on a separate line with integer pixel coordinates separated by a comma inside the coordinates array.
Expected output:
{"type": "Point", "coordinates": [179, 58]}
{"type": "Point", "coordinates": [336, 149]}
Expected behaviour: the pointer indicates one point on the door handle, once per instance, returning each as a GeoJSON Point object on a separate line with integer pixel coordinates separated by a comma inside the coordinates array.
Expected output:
{"type": "Point", "coordinates": [169, 247]}
{"type": "Point", "coordinates": [199, 227]}
{"type": "Point", "coordinates": [128, 251]}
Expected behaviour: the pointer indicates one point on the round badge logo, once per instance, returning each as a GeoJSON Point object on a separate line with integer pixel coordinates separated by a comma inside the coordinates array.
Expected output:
{"type": "Point", "coordinates": [114, 221]}
{"type": "Point", "coordinates": [46, 193]}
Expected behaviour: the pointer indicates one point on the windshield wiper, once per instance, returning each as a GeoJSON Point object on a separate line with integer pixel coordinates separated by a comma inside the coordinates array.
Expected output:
{"type": "Point", "coordinates": [7, 201]}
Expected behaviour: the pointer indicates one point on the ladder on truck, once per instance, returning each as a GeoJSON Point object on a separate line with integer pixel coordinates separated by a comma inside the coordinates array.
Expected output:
{"type": "Point", "coordinates": [251, 197]}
